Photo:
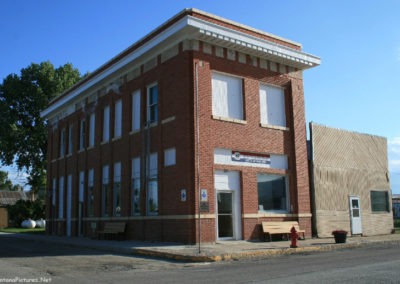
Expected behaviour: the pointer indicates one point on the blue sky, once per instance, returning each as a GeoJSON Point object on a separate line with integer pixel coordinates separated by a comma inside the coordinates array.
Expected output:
{"type": "Point", "coordinates": [355, 88]}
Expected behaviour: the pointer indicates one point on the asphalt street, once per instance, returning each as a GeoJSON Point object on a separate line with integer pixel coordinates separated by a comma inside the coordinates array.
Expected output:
{"type": "Point", "coordinates": [24, 260]}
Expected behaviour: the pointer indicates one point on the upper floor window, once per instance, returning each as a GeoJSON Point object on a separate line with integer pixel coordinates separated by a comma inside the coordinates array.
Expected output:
{"type": "Point", "coordinates": [136, 111]}
{"type": "Point", "coordinates": [272, 105]}
{"type": "Point", "coordinates": [92, 122]}
{"type": "Point", "coordinates": [227, 96]}
{"type": "Point", "coordinates": [62, 142]}
{"type": "Point", "coordinates": [152, 103]}
{"type": "Point", "coordinates": [118, 119]}
{"type": "Point", "coordinates": [82, 133]}
{"type": "Point", "coordinates": [70, 139]}
{"type": "Point", "coordinates": [169, 157]}
{"type": "Point", "coordinates": [106, 124]}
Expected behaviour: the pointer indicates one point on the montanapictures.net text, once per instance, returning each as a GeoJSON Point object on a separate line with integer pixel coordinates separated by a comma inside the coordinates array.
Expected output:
{"type": "Point", "coordinates": [25, 280]}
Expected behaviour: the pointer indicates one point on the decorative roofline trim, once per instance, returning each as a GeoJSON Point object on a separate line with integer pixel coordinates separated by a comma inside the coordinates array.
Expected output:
{"type": "Point", "coordinates": [187, 27]}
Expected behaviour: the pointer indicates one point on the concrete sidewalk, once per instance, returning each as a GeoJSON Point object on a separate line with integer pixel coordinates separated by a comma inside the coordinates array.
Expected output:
{"type": "Point", "coordinates": [222, 250]}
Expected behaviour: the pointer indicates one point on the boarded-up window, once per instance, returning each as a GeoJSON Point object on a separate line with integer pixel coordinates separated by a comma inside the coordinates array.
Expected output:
{"type": "Point", "coordinates": [227, 97]}
{"type": "Point", "coordinates": [272, 106]}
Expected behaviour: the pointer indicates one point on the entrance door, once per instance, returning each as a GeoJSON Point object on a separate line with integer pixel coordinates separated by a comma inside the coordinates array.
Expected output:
{"type": "Point", "coordinates": [225, 216]}
{"type": "Point", "coordinates": [228, 206]}
{"type": "Point", "coordinates": [355, 215]}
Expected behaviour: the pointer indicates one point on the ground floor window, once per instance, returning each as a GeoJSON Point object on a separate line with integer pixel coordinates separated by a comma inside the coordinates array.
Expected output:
{"type": "Point", "coordinates": [136, 196]}
{"type": "Point", "coordinates": [272, 193]}
{"type": "Point", "coordinates": [104, 200]}
{"type": "Point", "coordinates": [117, 199]}
{"type": "Point", "coordinates": [90, 198]}
{"type": "Point", "coordinates": [152, 185]}
{"type": "Point", "coordinates": [136, 186]}
{"type": "Point", "coordinates": [380, 201]}
{"type": "Point", "coordinates": [152, 199]}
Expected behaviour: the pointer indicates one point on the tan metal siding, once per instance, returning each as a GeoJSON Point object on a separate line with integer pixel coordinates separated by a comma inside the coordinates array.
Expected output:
{"type": "Point", "coordinates": [348, 164]}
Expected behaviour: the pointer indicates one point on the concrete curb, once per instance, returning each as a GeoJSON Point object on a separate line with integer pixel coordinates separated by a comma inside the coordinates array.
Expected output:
{"type": "Point", "coordinates": [158, 253]}
{"type": "Point", "coordinates": [254, 254]}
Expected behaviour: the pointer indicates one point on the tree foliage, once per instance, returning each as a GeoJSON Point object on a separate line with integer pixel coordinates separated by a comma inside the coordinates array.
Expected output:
{"type": "Point", "coordinates": [23, 133]}
{"type": "Point", "coordinates": [5, 183]}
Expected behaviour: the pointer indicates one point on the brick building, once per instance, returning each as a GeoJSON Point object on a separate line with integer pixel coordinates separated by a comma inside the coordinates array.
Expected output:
{"type": "Point", "coordinates": [194, 133]}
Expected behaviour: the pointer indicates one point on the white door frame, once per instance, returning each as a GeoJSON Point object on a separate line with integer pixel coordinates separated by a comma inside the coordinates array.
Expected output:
{"type": "Point", "coordinates": [355, 215]}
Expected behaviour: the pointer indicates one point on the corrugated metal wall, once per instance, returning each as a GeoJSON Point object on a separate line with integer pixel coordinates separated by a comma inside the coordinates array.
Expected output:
{"type": "Point", "coordinates": [347, 164]}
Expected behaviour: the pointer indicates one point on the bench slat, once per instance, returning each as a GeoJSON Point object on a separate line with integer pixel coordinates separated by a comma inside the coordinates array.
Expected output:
{"type": "Point", "coordinates": [112, 228]}
{"type": "Point", "coordinates": [283, 227]}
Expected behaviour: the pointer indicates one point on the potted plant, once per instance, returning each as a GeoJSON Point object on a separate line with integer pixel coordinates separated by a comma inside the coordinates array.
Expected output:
{"type": "Point", "coordinates": [340, 236]}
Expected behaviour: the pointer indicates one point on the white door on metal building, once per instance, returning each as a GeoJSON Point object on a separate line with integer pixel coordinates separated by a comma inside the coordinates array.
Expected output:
{"type": "Point", "coordinates": [355, 215]}
{"type": "Point", "coordinates": [229, 218]}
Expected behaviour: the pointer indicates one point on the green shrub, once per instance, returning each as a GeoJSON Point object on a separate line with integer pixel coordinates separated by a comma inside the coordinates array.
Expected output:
{"type": "Point", "coordinates": [25, 209]}
{"type": "Point", "coordinates": [397, 223]}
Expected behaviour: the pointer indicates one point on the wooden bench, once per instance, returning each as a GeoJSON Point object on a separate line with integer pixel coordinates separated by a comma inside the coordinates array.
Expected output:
{"type": "Point", "coordinates": [112, 229]}
{"type": "Point", "coordinates": [282, 228]}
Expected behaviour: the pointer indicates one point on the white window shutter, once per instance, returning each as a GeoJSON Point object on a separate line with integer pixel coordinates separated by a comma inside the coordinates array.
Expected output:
{"type": "Point", "coordinates": [136, 111]}
{"type": "Point", "coordinates": [118, 119]}
{"type": "Point", "coordinates": [227, 96]}
{"type": "Point", "coordinates": [91, 130]}
{"type": "Point", "coordinates": [106, 124]}
{"type": "Point", "coordinates": [170, 157]}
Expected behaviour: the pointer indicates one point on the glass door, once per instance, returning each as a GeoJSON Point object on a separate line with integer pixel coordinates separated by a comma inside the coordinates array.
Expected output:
{"type": "Point", "coordinates": [225, 215]}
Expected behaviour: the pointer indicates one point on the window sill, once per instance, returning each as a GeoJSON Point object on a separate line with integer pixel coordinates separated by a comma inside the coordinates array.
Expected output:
{"type": "Point", "coordinates": [153, 124]}
{"type": "Point", "coordinates": [169, 119]}
{"type": "Point", "coordinates": [134, 131]}
{"type": "Point", "coordinates": [273, 213]}
{"type": "Point", "coordinates": [228, 119]}
{"type": "Point", "coordinates": [116, 138]}
{"type": "Point", "coordinates": [90, 148]}
{"type": "Point", "coordinates": [105, 142]}
{"type": "Point", "coordinates": [274, 127]}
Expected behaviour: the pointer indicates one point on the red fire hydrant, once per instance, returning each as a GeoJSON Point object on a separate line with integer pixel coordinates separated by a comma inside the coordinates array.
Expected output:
{"type": "Point", "coordinates": [293, 237]}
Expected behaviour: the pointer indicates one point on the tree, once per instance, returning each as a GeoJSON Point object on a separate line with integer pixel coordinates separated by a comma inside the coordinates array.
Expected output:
{"type": "Point", "coordinates": [23, 133]}
{"type": "Point", "coordinates": [5, 183]}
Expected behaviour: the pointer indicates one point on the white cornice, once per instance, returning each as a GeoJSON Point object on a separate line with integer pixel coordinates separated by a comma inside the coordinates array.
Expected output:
{"type": "Point", "coordinates": [188, 27]}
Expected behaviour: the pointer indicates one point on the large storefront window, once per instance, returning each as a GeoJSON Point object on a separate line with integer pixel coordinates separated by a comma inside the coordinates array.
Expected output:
{"type": "Point", "coordinates": [272, 193]}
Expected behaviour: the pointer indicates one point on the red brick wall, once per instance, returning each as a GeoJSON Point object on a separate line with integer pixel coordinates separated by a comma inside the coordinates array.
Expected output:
{"type": "Point", "coordinates": [176, 85]}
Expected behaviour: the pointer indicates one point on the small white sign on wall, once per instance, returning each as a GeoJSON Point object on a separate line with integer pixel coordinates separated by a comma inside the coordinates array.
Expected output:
{"type": "Point", "coordinates": [204, 195]}
{"type": "Point", "coordinates": [183, 195]}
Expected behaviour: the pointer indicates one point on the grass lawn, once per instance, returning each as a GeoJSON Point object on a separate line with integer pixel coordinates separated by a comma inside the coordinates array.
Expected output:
{"type": "Point", "coordinates": [39, 231]}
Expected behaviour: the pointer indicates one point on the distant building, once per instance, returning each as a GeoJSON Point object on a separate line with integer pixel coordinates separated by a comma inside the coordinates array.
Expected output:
{"type": "Point", "coordinates": [350, 186]}
{"type": "Point", "coordinates": [10, 198]}
{"type": "Point", "coordinates": [194, 133]}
